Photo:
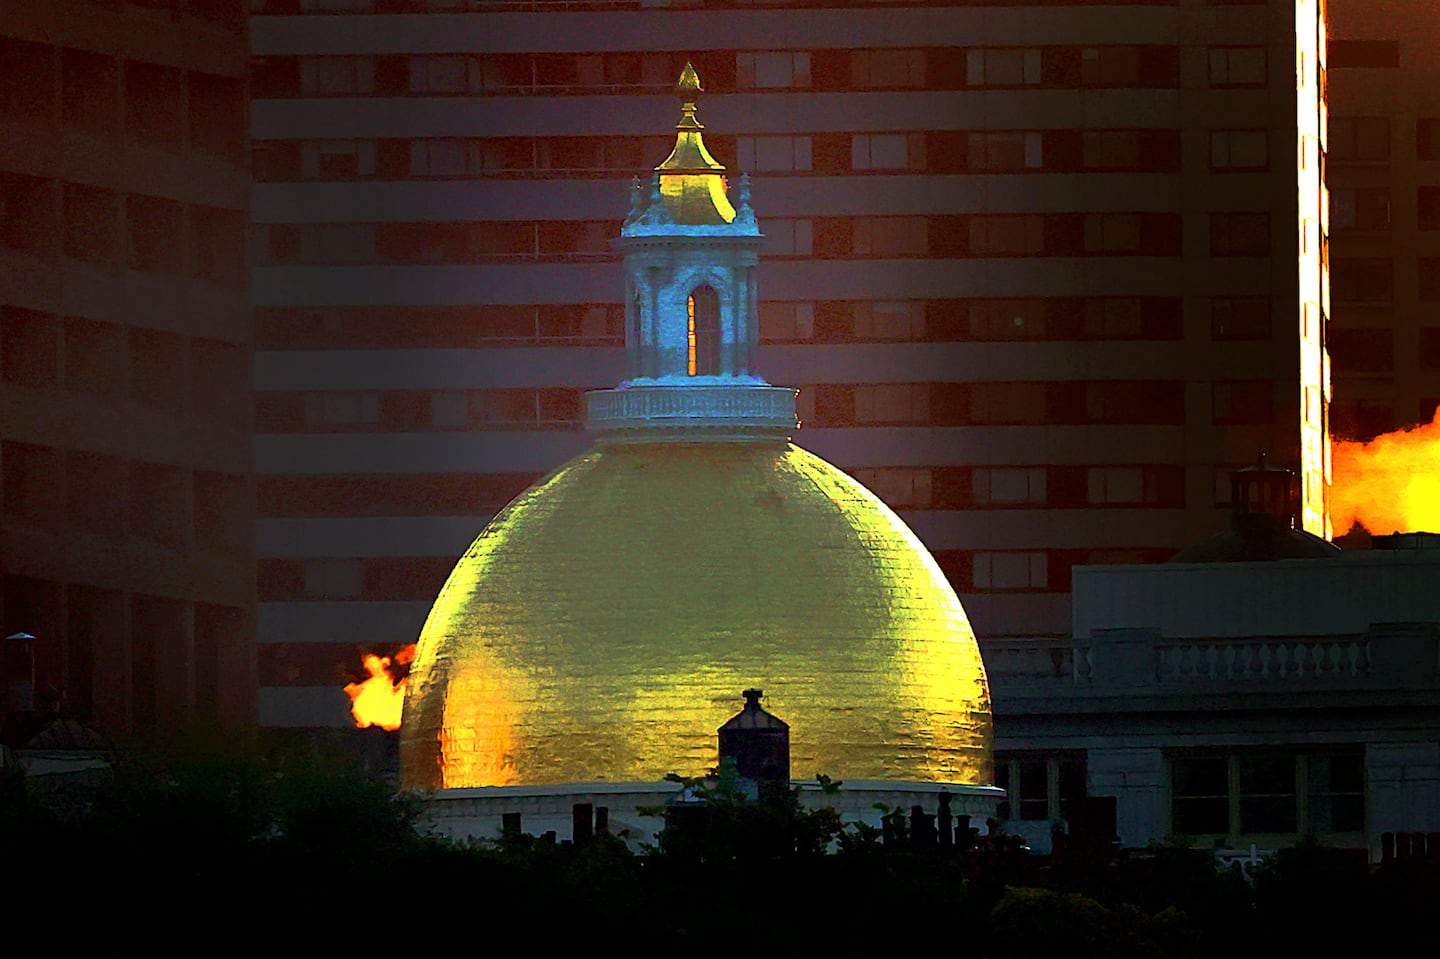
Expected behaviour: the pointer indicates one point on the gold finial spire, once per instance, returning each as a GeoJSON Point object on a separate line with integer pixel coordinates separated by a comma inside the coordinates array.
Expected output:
{"type": "Point", "coordinates": [689, 154]}
{"type": "Point", "coordinates": [689, 90]}
{"type": "Point", "coordinates": [692, 181]}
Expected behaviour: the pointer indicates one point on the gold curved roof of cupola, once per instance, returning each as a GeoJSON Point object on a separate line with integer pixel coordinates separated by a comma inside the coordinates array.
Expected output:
{"type": "Point", "coordinates": [692, 182]}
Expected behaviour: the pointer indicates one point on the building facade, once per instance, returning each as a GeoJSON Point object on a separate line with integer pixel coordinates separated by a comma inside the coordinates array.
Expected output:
{"type": "Point", "coordinates": [1384, 167]}
{"type": "Point", "coordinates": [126, 501]}
{"type": "Point", "coordinates": [1033, 268]}
{"type": "Point", "coordinates": [1235, 703]}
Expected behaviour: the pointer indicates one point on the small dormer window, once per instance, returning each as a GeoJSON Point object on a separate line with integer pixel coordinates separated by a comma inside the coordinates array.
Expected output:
{"type": "Point", "coordinates": [703, 332]}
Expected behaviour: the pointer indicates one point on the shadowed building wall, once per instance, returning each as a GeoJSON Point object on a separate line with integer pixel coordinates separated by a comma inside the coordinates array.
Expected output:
{"type": "Point", "coordinates": [126, 499]}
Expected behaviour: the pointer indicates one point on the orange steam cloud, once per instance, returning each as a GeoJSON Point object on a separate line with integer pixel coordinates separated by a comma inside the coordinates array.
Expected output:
{"type": "Point", "coordinates": [380, 699]}
{"type": "Point", "coordinates": [1390, 484]}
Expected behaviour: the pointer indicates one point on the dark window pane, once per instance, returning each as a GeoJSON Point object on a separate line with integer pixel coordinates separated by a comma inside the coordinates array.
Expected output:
{"type": "Point", "coordinates": [1206, 776]}
{"type": "Point", "coordinates": [1427, 138]}
{"type": "Point", "coordinates": [1362, 280]}
{"type": "Point", "coordinates": [1199, 816]}
{"type": "Point", "coordinates": [1363, 350]}
{"type": "Point", "coordinates": [1239, 234]}
{"type": "Point", "coordinates": [1360, 209]}
{"type": "Point", "coordinates": [1427, 201]}
{"type": "Point", "coordinates": [1034, 792]}
{"type": "Point", "coordinates": [1363, 53]}
{"type": "Point", "coordinates": [1240, 318]}
{"type": "Point", "coordinates": [1267, 775]}
{"type": "Point", "coordinates": [1267, 794]}
{"type": "Point", "coordinates": [1267, 814]}
{"type": "Point", "coordinates": [1337, 814]}
{"type": "Point", "coordinates": [1429, 290]}
{"type": "Point", "coordinates": [1072, 787]}
{"type": "Point", "coordinates": [1336, 774]}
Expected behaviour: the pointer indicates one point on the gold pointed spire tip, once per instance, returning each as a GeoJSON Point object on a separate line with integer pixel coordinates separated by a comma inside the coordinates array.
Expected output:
{"type": "Point", "coordinates": [689, 86]}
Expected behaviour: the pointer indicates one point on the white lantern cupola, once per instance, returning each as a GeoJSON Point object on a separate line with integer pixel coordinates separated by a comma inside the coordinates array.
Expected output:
{"type": "Point", "coordinates": [691, 326]}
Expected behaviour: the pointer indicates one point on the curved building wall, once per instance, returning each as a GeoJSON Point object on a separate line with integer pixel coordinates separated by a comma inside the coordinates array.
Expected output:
{"type": "Point", "coordinates": [127, 497]}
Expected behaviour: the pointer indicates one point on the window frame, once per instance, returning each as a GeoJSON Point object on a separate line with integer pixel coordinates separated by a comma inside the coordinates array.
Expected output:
{"type": "Point", "coordinates": [1303, 795]}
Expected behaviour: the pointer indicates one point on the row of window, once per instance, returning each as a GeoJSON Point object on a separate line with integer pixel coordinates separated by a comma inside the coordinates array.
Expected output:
{"type": "Point", "coordinates": [119, 499]}
{"type": "Point", "coordinates": [1131, 402]}
{"type": "Point", "coordinates": [1363, 53]}
{"type": "Point", "coordinates": [1368, 208]}
{"type": "Point", "coordinates": [1213, 794]}
{"type": "Point", "coordinates": [154, 235]}
{"type": "Point", "coordinates": [931, 68]}
{"type": "Point", "coordinates": [391, 494]}
{"type": "Point", "coordinates": [1041, 788]}
{"type": "Point", "coordinates": [1357, 138]}
{"type": "Point", "coordinates": [1267, 793]}
{"type": "Point", "coordinates": [1139, 402]}
{"type": "Point", "coordinates": [1372, 349]}
{"type": "Point", "coordinates": [229, 13]}
{"type": "Point", "coordinates": [116, 667]}
{"type": "Point", "coordinates": [1033, 318]}
{"type": "Point", "coordinates": [903, 487]}
{"type": "Point", "coordinates": [1365, 419]}
{"type": "Point", "coordinates": [858, 321]}
{"type": "Point", "coordinates": [1359, 208]}
{"type": "Point", "coordinates": [420, 578]}
{"type": "Point", "coordinates": [141, 103]}
{"type": "Point", "coordinates": [958, 236]}
{"type": "Point", "coordinates": [1367, 138]}
{"type": "Point", "coordinates": [1362, 279]}
{"type": "Point", "coordinates": [1026, 487]}
{"type": "Point", "coordinates": [292, 7]}
{"type": "Point", "coordinates": [943, 152]}
{"type": "Point", "coordinates": [162, 371]}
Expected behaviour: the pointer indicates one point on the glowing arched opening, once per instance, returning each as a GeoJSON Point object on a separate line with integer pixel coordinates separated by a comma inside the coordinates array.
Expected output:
{"type": "Point", "coordinates": [703, 332]}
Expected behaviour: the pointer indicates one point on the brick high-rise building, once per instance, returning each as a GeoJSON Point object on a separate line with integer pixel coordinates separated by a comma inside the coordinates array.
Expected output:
{"type": "Point", "coordinates": [1384, 167]}
{"type": "Point", "coordinates": [126, 500]}
{"type": "Point", "coordinates": [1033, 266]}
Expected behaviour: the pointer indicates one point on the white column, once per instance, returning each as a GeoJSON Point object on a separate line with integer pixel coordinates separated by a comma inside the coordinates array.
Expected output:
{"type": "Point", "coordinates": [1136, 778]}
{"type": "Point", "coordinates": [1402, 789]}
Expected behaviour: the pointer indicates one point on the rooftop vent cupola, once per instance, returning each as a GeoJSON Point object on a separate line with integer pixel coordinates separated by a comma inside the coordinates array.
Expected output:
{"type": "Point", "coordinates": [1264, 497]}
{"type": "Point", "coordinates": [1264, 522]}
{"type": "Point", "coordinates": [691, 306]}
{"type": "Point", "coordinates": [757, 743]}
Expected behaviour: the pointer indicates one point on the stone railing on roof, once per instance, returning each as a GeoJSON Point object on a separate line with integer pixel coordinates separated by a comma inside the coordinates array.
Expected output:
{"type": "Point", "coordinates": [1140, 662]}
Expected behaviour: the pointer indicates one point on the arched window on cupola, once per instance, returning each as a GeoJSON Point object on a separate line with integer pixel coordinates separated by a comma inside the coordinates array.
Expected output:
{"type": "Point", "coordinates": [703, 332]}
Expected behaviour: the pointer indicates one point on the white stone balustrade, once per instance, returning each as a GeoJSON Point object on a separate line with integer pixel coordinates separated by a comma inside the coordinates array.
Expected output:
{"type": "Point", "coordinates": [741, 407]}
{"type": "Point", "coordinates": [1138, 663]}
{"type": "Point", "coordinates": [1040, 660]}
{"type": "Point", "coordinates": [1263, 659]}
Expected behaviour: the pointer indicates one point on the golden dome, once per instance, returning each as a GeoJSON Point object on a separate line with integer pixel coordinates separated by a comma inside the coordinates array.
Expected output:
{"type": "Point", "coordinates": [602, 625]}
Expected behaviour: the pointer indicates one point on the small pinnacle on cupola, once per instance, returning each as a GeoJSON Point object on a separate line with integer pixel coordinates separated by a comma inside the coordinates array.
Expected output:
{"type": "Point", "coordinates": [655, 212]}
{"type": "Point", "coordinates": [744, 212]}
{"type": "Point", "coordinates": [637, 201]}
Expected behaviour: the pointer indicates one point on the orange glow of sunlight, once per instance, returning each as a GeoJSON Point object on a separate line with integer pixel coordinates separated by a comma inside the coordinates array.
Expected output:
{"type": "Point", "coordinates": [690, 336]}
{"type": "Point", "coordinates": [1390, 484]}
{"type": "Point", "coordinates": [378, 700]}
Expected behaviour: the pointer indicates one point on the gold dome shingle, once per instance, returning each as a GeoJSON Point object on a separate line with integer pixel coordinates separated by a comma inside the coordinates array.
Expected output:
{"type": "Point", "coordinates": [600, 626]}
